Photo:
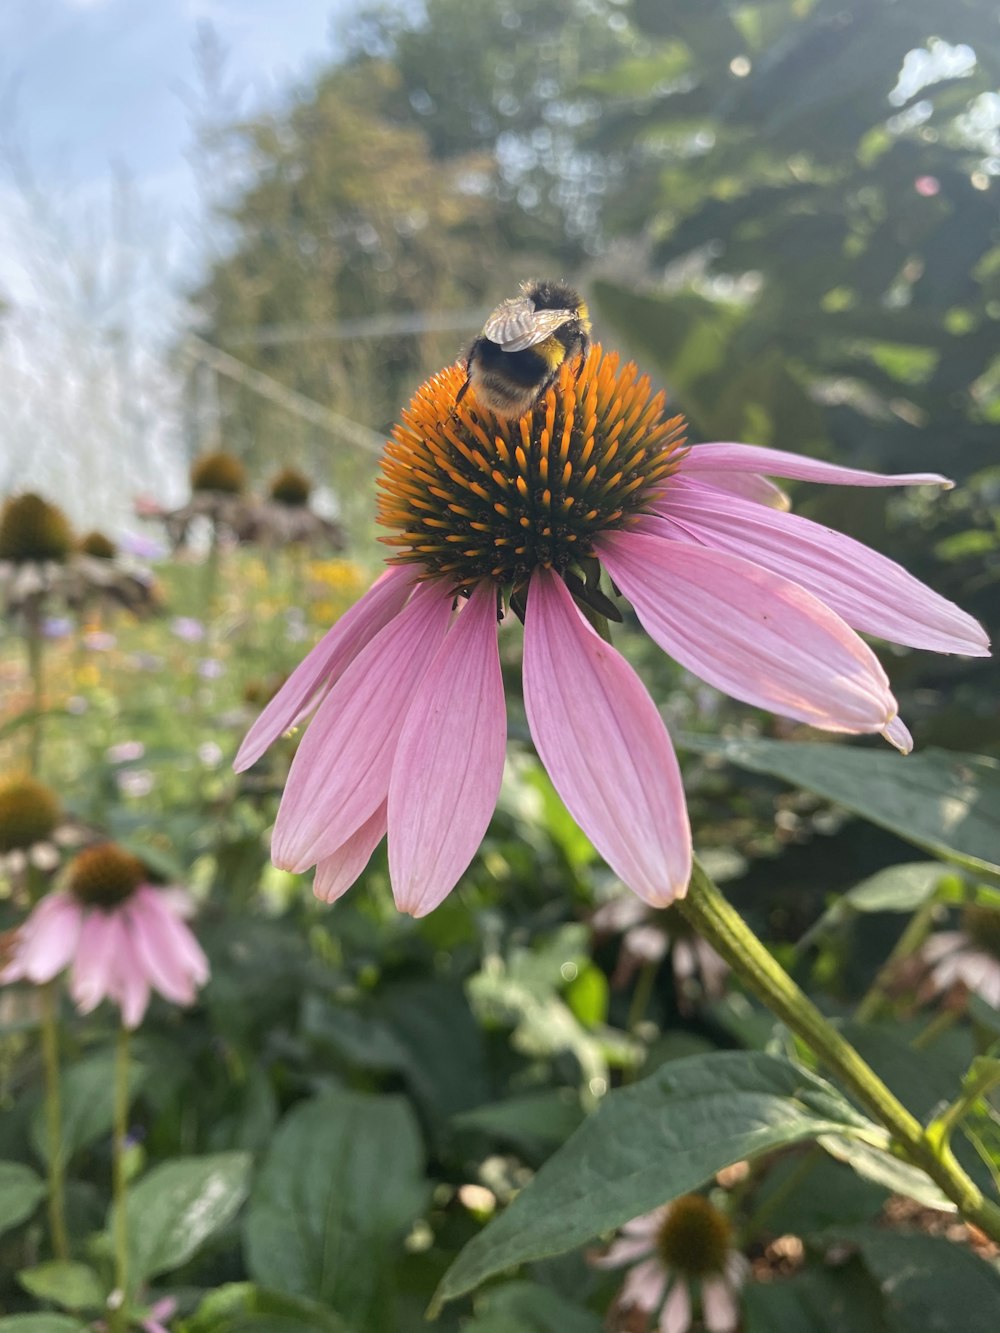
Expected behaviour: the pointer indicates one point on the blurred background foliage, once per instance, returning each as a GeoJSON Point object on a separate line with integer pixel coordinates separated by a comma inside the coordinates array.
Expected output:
{"type": "Point", "coordinates": [788, 213]}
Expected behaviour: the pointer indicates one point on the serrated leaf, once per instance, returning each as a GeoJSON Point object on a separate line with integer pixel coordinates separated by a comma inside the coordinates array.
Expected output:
{"type": "Point", "coordinates": [649, 1143]}
{"type": "Point", "coordinates": [945, 802]}
{"type": "Point", "coordinates": [74, 1286]}
{"type": "Point", "coordinates": [180, 1205]}
{"type": "Point", "coordinates": [21, 1191]}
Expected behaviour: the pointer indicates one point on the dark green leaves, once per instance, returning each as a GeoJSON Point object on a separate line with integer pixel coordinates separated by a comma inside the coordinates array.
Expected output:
{"type": "Point", "coordinates": [342, 1180]}
{"type": "Point", "coordinates": [649, 1143]}
{"type": "Point", "coordinates": [947, 803]}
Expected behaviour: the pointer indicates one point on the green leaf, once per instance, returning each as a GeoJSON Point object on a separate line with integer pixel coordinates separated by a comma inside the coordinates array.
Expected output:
{"type": "Point", "coordinates": [528, 1307]}
{"type": "Point", "coordinates": [930, 1284]}
{"type": "Point", "coordinates": [87, 1109]}
{"type": "Point", "coordinates": [241, 1307]}
{"type": "Point", "coordinates": [74, 1286]}
{"type": "Point", "coordinates": [42, 1323]}
{"type": "Point", "coordinates": [650, 1143]}
{"type": "Point", "coordinates": [21, 1191]}
{"type": "Point", "coordinates": [879, 1166]}
{"type": "Point", "coordinates": [947, 803]}
{"type": "Point", "coordinates": [180, 1205]}
{"type": "Point", "coordinates": [547, 1117]}
{"type": "Point", "coordinates": [342, 1180]}
{"type": "Point", "coordinates": [819, 1300]}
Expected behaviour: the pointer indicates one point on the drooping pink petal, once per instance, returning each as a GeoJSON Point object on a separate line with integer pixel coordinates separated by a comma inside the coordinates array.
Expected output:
{"type": "Point", "coordinates": [675, 1317]}
{"type": "Point", "coordinates": [327, 662]}
{"type": "Point", "coordinates": [340, 774]}
{"type": "Point", "coordinates": [778, 463]}
{"type": "Point", "coordinates": [94, 963]}
{"type": "Point", "coordinates": [47, 940]}
{"type": "Point", "coordinates": [750, 633]}
{"type": "Point", "coordinates": [449, 763]}
{"type": "Point", "coordinates": [337, 872]}
{"type": "Point", "coordinates": [644, 1285]}
{"type": "Point", "coordinates": [898, 733]}
{"type": "Point", "coordinates": [718, 1306]}
{"type": "Point", "coordinates": [624, 1251]}
{"type": "Point", "coordinates": [167, 908]}
{"type": "Point", "coordinates": [604, 745]}
{"type": "Point", "coordinates": [870, 591]}
{"type": "Point", "coordinates": [746, 484]}
{"type": "Point", "coordinates": [130, 983]}
{"type": "Point", "coordinates": [164, 968]}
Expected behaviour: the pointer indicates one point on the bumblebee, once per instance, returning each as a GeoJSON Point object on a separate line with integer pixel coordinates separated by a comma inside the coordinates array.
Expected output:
{"type": "Point", "coordinates": [522, 346]}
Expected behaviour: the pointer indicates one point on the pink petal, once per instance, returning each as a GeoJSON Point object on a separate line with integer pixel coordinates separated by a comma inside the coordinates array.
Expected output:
{"type": "Point", "coordinates": [48, 939]}
{"type": "Point", "coordinates": [746, 484]}
{"type": "Point", "coordinates": [623, 1251]}
{"type": "Point", "coordinates": [340, 774]}
{"type": "Point", "coordinates": [94, 964]}
{"type": "Point", "coordinates": [870, 591]}
{"type": "Point", "coordinates": [778, 463]}
{"type": "Point", "coordinates": [718, 1306]}
{"type": "Point", "coordinates": [675, 1317]}
{"type": "Point", "coordinates": [164, 968]}
{"type": "Point", "coordinates": [898, 733]}
{"type": "Point", "coordinates": [337, 872]}
{"type": "Point", "coordinates": [604, 745]}
{"type": "Point", "coordinates": [449, 763]}
{"type": "Point", "coordinates": [327, 662]}
{"type": "Point", "coordinates": [759, 637]}
{"type": "Point", "coordinates": [643, 1285]}
{"type": "Point", "coordinates": [167, 908]}
{"type": "Point", "coordinates": [129, 980]}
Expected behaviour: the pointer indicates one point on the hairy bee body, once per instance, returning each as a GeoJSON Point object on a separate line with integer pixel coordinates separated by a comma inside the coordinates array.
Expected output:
{"type": "Point", "coordinates": [522, 346]}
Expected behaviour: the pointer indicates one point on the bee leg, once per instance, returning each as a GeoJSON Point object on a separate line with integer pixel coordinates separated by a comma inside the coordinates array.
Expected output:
{"type": "Point", "coordinates": [462, 391]}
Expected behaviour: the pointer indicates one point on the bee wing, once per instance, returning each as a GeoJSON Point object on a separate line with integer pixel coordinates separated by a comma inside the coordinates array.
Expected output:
{"type": "Point", "coordinates": [516, 325]}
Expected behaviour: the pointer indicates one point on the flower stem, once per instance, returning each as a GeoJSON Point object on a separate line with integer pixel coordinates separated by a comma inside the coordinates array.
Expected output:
{"type": "Point", "coordinates": [909, 942]}
{"type": "Point", "coordinates": [35, 645]}
{"type": "Point", "coordinates": [119, 1314]}
{"type": "Point", "coordinates": [730, 936]}
{"type": "Point", "coordinates": [53, 1122]}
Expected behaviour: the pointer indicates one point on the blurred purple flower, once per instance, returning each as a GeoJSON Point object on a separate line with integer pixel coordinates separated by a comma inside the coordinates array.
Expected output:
{"type": "Point", "coordinates": [135, 781]}
{"type": "Point", "coordinates": [56, 627]}
{"type": "Point", "coordinates": [188, 629]}
{"type": "Point", "coordinates": [210, 668]}
{"type": "Point", "coordinates": [99, 641]}
{"type": "Point", "coordinates": [146, 661]}
{"type": "Point", "coordinates": [141, 546]}
{"type": "Point", "coordinates": [210, 754]}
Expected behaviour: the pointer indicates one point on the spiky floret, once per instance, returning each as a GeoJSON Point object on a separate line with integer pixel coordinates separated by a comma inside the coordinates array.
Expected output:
{"type": "Point", "coordinates": [476, 498]}
{"type": "Point", "coordinates": [694, 1237]}
{"type": "Point", "coordinates": [29, 812]}
{"type": "Point", "coordinates": [289, 487]}
{"type": "Point", "coordinates": [33, 529]}
{"type": "Point", "coordinates": [97, 545]}
{"type": "Point", "coordinates": [104, 876]}
{"type": "Point", "coordinates": [218, 472]}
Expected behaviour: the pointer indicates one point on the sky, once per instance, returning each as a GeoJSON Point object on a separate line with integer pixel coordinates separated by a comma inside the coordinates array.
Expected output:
{"type": "Point", "coordinates": [88, 87]}
{"type": "Point", "coordinates": [91, 405]}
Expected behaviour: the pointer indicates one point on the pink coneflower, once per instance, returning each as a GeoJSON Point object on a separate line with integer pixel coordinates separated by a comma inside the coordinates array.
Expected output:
{"type": "Point", "coordinates": [967, 959]}
{"type": "Point", "coordinates": [492, 517]}
{"type": "Point", "coordinates": [682, 1255]}
{"type": "Point", "coordinates": [122, 936]}
{"type": "Point", "coordinates": [648, 935]}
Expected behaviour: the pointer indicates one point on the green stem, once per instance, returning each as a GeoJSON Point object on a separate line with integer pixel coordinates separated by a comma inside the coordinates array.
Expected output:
{"type": "Point", "coordinates": [938, 1025]}
{"type": "Point", "coordinates": [53, 1121]}
{"type": "Point", "coordinates": [119, 1315]}
{"type": "Point", "coordinates": [727, 932]}
{"type": "Point", "coordinates": [35, 644]}
{"type": "Point", "coordinates": [909, 942]}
